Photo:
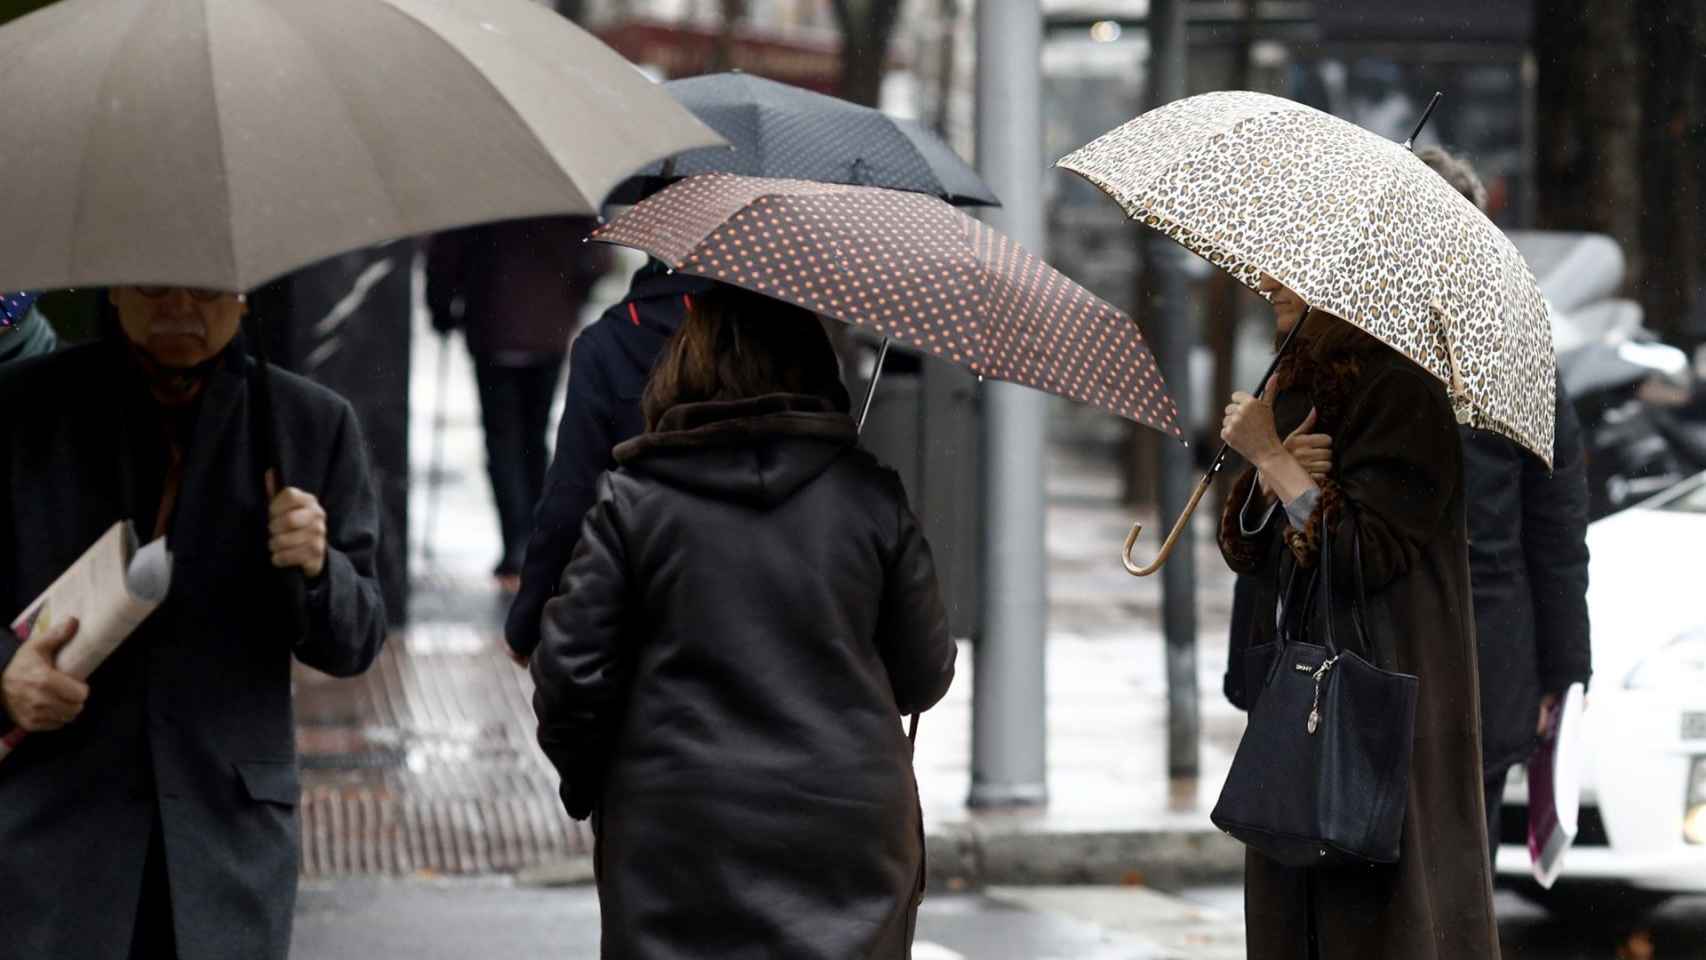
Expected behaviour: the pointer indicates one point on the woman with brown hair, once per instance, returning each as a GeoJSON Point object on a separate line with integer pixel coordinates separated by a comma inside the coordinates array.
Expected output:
{"type": "Point", "coordinates": [1394, 481]}
{"type": "Point", "coordinates": [749, 612]}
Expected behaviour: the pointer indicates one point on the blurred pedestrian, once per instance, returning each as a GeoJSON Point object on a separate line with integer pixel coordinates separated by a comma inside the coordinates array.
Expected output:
{"type": "Point", "coordinates": [1393, 479]}
{"type": "Point", "coordinates": [24, 332]}
{"type": "Point", "coordinates": [749, 611]}
{"type": "Point", "coordinates": [1528, 563]}
{"type": "Point", "coordinates": [608, 367]}
{"type": "Point", "coordinates": [152, 811]}
{"type": "Point", "coordinates": [516, 289]}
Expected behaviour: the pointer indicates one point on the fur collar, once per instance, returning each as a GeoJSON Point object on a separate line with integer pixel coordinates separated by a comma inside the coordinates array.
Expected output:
{"type": "Point", "coordinates": [1329, 381]}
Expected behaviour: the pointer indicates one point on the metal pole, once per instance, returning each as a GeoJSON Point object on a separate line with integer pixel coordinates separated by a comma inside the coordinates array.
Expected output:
{"type": "Point", "coordinates": [1008, 692]}
{"type": "Point", "coordinates": [1174, 332]}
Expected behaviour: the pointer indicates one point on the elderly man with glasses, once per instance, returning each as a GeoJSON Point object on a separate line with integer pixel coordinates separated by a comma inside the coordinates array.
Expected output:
{"type": "Point", "coordinates": [151, 812]}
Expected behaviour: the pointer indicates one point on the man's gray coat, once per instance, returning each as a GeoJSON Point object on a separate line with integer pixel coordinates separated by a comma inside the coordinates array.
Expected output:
{"type": "Point", "coordinates": [191, 720]}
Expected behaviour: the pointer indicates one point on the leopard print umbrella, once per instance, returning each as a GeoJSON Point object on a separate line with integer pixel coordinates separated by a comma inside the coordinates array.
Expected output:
{"type": "Point", "coordinates": [1357, 226]}
{"type": "Point", "coordinates": [910, 267]}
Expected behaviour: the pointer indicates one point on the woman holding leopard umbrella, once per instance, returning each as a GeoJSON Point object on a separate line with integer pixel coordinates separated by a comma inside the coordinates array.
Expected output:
{"type": "Point", "coordinates": [1405, 312]}
{"type": "Point", "coordinates": [1396, 468]}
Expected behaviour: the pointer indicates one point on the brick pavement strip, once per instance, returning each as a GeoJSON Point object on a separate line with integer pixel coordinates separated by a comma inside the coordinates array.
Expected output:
{"type": "Point", "coordinates": [426, 764]}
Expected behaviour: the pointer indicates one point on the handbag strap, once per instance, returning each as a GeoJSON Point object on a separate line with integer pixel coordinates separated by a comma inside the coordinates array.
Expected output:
{"type": "Point", "coordinates": [1295, 604]}
{"type": "Point", "coordinates": [1359, 596]}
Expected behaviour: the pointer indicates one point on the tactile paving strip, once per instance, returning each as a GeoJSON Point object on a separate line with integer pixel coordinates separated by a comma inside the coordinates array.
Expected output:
{"type": "Point", "coordinates": [426, 764]}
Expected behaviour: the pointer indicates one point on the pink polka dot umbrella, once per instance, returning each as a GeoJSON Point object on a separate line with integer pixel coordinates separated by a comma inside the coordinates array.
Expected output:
{"type": "Point", "coordinates": [909, 267]}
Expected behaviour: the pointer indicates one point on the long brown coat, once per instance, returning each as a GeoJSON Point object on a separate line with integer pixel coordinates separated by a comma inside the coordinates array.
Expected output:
{"type": "Point", "coordinates": [1398, 463]}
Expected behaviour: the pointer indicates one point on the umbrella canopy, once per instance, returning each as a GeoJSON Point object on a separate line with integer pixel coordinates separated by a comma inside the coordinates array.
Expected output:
{"type": "Point", "coordinates": [1357, 226]}
{"type": "Point", "coordinates": [783, 131]}
{"type": "Point", "coordinates": [221, 143]}
{"type": "Point", "coordinates": [911, 267]}
{"type": "Point", "coordinates": [15, 306]}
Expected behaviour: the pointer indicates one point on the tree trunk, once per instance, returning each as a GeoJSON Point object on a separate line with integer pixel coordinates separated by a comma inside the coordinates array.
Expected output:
{"type": "Point", "coordinates": [723, 56]}
{"type": "Point", "coordinates": [866, 27]}
{"type": "Point", "coordinates": [949, 12]}
{"type": "Point", "coordinates": [1670, 229]}
{"type": "Point", "coordinates": [1589, 116]}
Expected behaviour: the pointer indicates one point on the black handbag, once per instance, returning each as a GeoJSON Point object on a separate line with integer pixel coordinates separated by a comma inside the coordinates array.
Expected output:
{"type": "Point", "coordinates": [1322, 775]}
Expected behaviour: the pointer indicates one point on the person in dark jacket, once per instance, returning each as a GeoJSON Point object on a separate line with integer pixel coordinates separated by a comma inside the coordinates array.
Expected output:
{"type": "Point", "coordinates": [1528, 561]}
{"type": "Point", "coordinates": [24, 332]}
{"type": "Point", "coordinates": [721, 677]}
{"type": "Point", "coordinates": [151, 812]}
{"type": "Point", "coordinates": [1396, 471]}
{"type": "Point", "coordinates": [608, 366]}
{"type": "Point", "coordinates": [516, 289]}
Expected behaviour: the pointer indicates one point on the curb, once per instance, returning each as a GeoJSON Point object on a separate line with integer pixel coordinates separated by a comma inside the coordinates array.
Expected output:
{"type": "Point", "coordinates": [969, 856]}
{"type": "Point", "coordinates": [566, 872]}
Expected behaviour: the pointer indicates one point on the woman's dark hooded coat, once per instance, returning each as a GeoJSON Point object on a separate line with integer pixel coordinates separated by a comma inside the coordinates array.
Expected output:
{"type": "Point", "coordinates": [1397, 466]}
{"type": "Point", "coordinates": [721, 679]}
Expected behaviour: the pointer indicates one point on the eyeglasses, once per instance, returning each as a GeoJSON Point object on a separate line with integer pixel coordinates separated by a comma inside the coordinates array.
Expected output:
{"type": "Point", "coordinates": [198, 294]}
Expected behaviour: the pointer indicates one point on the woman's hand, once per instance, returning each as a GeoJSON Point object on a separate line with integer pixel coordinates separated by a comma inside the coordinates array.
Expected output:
{"type": "Point", "coordinates": [1312, 451]}
{"type": "Point", "coordinates": [1549, 705]}
{"type": "Point", "coordinates": [1249, 429]}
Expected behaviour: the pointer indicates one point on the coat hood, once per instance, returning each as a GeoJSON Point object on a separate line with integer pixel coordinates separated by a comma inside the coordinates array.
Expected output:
{"type": "Point", "coordinates": [759, 451]}
{"type": "Point", "coordinates": [655, 306]}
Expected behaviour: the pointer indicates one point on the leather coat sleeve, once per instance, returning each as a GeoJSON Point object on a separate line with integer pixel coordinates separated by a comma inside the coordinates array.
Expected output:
{"type": "Point", "coordinates": [913, 634]}
{"type": "Point", "coordinates": [346, 610]}
{"type": "Point", "coordinates": [584, 440]}
{"type": "Point", "coordinates": [1554, 547]}
{"type": "Point", "coordinates": [580, 671]}
{"type": "Point", "coordinates": [1399, 464]}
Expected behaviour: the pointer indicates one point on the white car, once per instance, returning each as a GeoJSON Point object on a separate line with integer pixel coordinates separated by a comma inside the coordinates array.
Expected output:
{"type": "Point", "coordinates": [1643, 813]}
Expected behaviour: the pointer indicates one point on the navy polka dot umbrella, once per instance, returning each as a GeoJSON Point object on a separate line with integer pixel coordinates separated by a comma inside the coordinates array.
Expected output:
{"type": "Point", "coordinates": [777, 130]}
{"type": "Point", "coordinates": [910, 267]}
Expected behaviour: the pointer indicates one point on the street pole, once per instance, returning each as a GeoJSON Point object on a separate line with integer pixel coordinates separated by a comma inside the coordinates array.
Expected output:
{"type": "Point", "coordinates": [1173, 330]}
{"type": "Point", "coordinates": [1008, 693]}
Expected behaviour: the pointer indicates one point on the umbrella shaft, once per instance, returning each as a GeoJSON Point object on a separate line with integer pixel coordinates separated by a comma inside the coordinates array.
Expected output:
{"type": "Point", "coordinates": [871, 391]}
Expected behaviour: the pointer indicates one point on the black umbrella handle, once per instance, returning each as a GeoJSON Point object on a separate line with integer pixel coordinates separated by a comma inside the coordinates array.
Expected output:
{"type": "Point", "coordinates": [292, 583]}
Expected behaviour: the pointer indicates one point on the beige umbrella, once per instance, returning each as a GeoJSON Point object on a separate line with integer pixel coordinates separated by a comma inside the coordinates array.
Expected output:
{"type": "Point", "coordinates": [222, 143]}
{"type": "Point", "coordinates": [1354, 223]}
{"type": "Point", "coordinates": [1358, 227]}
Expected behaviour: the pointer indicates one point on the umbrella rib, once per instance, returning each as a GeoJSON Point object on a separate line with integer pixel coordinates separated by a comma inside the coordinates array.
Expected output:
{"type": "Point", "coordinates": [77, 214]}
{"type": "Point", "coordinates": [508, 105]}
{"type": "Point", "coordinates": [224, 161]}
{"type": "Point", "coordinates": [358, 130]}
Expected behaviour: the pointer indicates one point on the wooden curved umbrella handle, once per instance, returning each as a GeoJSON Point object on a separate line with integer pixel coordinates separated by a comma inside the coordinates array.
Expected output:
{"type": "Point", "coordinates": [1172, 540]}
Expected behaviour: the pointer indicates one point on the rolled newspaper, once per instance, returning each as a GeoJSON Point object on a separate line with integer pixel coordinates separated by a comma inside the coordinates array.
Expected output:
{"type": "Point", "coordinates": [1555, 789]}
{"type": "Point", "coordinates": [110, 590]}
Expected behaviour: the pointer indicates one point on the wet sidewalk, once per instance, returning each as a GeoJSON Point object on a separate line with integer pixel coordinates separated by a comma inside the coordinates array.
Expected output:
{"type": "Point", "coordinates": [426, 765]}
